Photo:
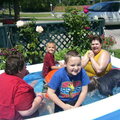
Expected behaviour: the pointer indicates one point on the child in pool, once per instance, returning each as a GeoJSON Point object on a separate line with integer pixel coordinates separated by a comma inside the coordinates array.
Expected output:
{"type": "Point", "coordinates": [69, 85]}
{"type": "Point", "coordinates": [49, 63]}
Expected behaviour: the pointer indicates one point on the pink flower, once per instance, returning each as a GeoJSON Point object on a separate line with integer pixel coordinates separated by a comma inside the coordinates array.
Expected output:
{"type": "Point", "coordinates": [86, 11]}
{"type": "Point", "coordinates": [87, 28]}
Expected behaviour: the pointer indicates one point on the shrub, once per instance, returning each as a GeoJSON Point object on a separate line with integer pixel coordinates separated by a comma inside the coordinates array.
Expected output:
{"type": "Point", "coordinates": [115, 52]}
{"type": "Point", "coordinates": [4, 53]}
{"type": "Point", "coordinates": [108, 42]}
{"type": "Point", "coordinates": [78, 27]}
{"type": "Point", "coordinates": [29, 43]}
{"type": "Point", "coordinates": [60, 55]}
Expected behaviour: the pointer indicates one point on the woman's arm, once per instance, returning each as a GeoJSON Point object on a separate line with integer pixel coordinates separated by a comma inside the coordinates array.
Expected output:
{"type": "Point", "coordinates": [35, 105]}
{"type": "Point", "coordinates": [85, 59]}
{"type": "Point", "coordinates": [102, 62]}
{"type": "Point", "coordinates": [82, 96]}
{"type": "Point", "coordinates": [56, 100]}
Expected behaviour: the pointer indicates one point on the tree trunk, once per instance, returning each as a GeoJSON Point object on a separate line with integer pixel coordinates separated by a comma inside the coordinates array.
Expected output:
{"type": "Point", "coordinates": [16, 10]}
{"type": "Point", "coordinates": [10, 8]}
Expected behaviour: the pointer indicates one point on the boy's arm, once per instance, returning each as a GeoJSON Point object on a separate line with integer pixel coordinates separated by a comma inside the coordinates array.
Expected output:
{"type": "Point", "coordinates": [82, 96]}
{"type": "Point", "coordinates": [60, 65]}
{"type": "Point", "coordinates": [55, 67]}
{"type": "Point", "coordinates": [56, 100]}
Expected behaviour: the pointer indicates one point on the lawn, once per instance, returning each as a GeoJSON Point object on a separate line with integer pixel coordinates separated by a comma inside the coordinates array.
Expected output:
{"type": "Point", "coordinates": [39, 16]}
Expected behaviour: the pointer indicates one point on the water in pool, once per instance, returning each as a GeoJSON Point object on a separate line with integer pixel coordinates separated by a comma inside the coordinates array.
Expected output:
{"type": "Point", "coordinates": [37, 77]}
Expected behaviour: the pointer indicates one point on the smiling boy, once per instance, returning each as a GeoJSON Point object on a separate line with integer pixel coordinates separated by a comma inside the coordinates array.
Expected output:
{"type": "Point", "coordinates": [68, 86]}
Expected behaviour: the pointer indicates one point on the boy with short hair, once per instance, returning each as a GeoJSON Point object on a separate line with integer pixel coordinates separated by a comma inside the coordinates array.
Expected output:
{"type": "Point", "coordinates": [69, 85]}
{"type": "Point", "coordinates": [49, 62]}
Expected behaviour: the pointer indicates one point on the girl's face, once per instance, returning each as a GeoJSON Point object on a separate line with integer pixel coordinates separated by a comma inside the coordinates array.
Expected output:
{"type": "Point", "coordinates": [73, 65]}
{"type": "Point", "coordinates": [51, 48]}
{"type": "Point", "coordinates": [96, 46]}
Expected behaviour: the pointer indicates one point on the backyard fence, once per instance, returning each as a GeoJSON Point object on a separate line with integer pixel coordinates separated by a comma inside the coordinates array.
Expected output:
{"type": "Point", "coordinates": [52, 32]}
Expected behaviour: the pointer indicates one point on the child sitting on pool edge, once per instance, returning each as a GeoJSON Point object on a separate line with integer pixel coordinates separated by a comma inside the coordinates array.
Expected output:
{"type": "Point", "coordinates": [69, 85]}
{"type": "Point", "coordinates": [49, 63]}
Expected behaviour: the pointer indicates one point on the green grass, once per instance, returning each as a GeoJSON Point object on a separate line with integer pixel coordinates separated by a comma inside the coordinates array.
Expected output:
{"type": "Point", "coordinates": [35, 15]}
{"type": "Point", "coordinates": [116, 52]}
{"type": "Point", "coordinates": [43, 19]}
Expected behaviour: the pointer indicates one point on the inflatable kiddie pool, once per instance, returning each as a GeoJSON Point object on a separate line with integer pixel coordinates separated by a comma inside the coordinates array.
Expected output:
{"type": "Point", "coordinates": [96, 107]}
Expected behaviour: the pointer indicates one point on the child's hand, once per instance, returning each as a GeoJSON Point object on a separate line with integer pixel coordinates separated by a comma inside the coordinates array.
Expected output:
{"type": "Point", "coordinates": [67, 107]}
{"type": "Point", "coordinates": [40, 94]}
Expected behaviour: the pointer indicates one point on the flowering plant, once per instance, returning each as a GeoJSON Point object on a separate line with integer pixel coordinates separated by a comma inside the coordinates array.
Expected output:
{"type": "Point", "coordinates": [29, 41]}
{"type": "Point", "coordinates": [20, 23]}
{"type": "Point", "coordinates": [78, 27]}
{"type": "Point", "coordinates": [39, 29]}
{"type": "Point", "coordinates": [28, 44]}
{"type": "Point", "coordinates": [85, 9]}
{"type": "Point", "coordinates": [108, 42]}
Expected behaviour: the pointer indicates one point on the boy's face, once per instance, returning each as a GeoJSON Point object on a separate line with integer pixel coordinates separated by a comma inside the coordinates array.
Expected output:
{"type": "Point", "coordinates": [73, 65]}
{"type": "Point", "coordinates": [51, 48]}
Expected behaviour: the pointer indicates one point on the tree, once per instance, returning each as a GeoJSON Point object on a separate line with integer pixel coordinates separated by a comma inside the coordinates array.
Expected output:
{"type": "Point", "coordinates": [16, 7]}
{"type": "Point", "coordinates": [37, 5]}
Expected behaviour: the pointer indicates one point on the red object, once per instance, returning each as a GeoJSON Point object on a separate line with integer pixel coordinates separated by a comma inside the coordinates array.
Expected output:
{"type": "Point", "coordinates": [8, 21]}
{"type": "Point", "coordinates": [47, 63]}
{"type": "Point", "coordinates": [15, 95]}
{"type": "Point", "coordinates": [87, 28]}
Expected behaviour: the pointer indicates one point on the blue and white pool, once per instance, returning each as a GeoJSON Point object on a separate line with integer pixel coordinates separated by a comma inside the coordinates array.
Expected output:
{"type": "Point", "coordinates": [96, 106]}
{"type": "Point", "coordinates": [103, 109]}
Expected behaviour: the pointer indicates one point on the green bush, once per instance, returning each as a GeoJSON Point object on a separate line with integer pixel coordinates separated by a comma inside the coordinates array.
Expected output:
{"type": "Point", "coordinates": [29, 43]}
{"type": "Point", "coordinates": [115, 52]}
{"type": "Point", "coordinates": [78, 27]}
{"type": "Point", "coordinates": [60, 55]}
{"type": "Point", "coordinates": [4, 53]}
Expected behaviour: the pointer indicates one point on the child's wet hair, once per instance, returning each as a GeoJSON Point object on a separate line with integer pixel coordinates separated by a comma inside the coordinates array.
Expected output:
{"type": "Point", "coordinates": [71, 53]}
